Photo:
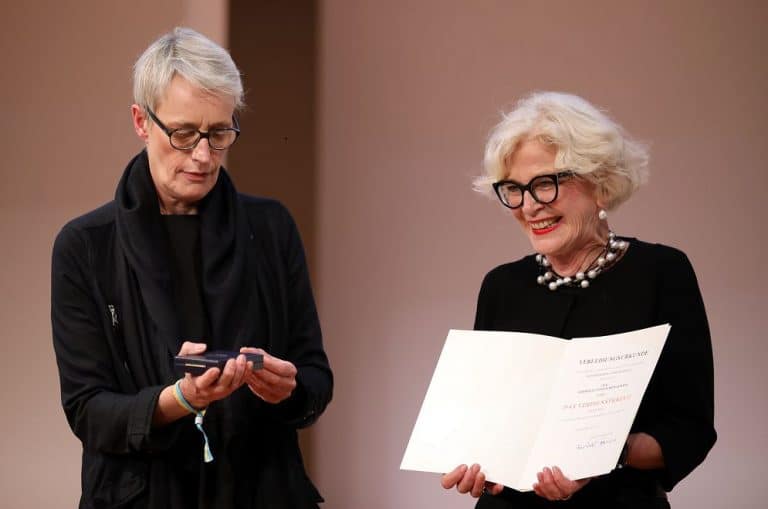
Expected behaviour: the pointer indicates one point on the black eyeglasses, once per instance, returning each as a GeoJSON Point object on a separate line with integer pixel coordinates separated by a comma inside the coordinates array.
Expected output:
{"type": "Point", "coordinates": [185, 138]}
{"type": "Point", "coordinates": [543, 189]}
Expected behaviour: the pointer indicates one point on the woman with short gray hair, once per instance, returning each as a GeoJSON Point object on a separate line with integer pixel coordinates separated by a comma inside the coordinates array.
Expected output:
{"type": "Point", "coordinates": [187, 53]}
{"type": "Point", "coordinates": [181, 264]}
{"type": "Point", "coordinates": [558, 165]}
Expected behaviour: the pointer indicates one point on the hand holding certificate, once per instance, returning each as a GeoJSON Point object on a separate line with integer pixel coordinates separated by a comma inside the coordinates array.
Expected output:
{"type": "Point", "coordinates": [517, 402]}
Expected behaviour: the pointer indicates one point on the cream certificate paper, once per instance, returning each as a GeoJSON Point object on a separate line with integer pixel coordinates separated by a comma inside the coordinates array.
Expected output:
{"type": "Point", "coordinates": [516, 402]}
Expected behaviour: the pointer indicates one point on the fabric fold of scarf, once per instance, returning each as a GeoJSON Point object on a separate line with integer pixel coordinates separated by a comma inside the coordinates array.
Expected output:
{"type": "Point", "coordinates": [143, 258]}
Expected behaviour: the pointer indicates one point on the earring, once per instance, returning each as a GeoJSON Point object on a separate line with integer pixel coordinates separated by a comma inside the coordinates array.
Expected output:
{"type": "Point", "coordinates": [603, 215]}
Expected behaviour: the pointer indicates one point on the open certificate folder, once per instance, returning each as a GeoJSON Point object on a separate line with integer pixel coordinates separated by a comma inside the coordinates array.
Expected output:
{"type": "Point", "coordinates": [516, 402]}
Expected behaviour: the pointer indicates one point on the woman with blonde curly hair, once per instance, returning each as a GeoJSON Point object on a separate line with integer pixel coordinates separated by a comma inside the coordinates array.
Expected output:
{"type": "Point", "coordinates": [559, 164]}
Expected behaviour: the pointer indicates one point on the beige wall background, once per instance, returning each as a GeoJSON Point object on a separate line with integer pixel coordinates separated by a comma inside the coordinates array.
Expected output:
{"type": "Point", "coordinates": [273, 44]}
{"type": "Point", "coordinates": [405, 94]}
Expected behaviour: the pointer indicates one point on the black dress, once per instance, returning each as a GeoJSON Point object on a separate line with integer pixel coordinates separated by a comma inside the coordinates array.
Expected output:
{"type": "Point", "coordinates": [651, 285]}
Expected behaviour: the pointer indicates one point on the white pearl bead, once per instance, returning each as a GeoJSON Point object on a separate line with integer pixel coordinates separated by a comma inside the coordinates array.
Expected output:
{"type": "Point", "coordinates": [613, 249]}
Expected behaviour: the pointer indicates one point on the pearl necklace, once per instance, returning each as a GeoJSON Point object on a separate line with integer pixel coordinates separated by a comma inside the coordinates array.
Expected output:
{"type": "Point", "coordinates": [611, 253]}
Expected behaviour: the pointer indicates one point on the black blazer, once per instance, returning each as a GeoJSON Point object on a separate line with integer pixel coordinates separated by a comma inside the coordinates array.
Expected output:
{"type": "Point", "coordinates": [109, 403]}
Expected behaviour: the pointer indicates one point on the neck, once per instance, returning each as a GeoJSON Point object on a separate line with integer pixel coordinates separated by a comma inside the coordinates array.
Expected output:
{"type": "Point", "coordinates": [580, 259]}
{"type": "Point", "coordinates": [177, 209]}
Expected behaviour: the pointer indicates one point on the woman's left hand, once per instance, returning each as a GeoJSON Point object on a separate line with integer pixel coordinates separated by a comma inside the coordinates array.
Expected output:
{"type": "Point", "coordinates": [553, 485]}
{"type": "Point", "coordinates": [275, 381]}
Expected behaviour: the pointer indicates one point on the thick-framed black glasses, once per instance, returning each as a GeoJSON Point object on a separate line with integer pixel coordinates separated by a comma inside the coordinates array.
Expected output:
{"type": "Point", "coordinates": [543, 189]}
{"type": "Point", "coordinates": [185, 138]}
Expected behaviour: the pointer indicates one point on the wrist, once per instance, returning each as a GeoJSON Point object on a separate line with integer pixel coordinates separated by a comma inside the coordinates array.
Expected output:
{"type": "Point", "coordinates": [184, 399]}
{"type": "Point", "coordinates": [199, 417]}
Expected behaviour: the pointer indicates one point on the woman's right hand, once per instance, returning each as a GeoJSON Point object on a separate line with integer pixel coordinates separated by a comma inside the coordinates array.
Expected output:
{"type": "Point", "coordinates": [199, 391]}
{"type": "Point", "coordinates": [214, 384]}
{"type": "Point", "coordinates": [469, 480]}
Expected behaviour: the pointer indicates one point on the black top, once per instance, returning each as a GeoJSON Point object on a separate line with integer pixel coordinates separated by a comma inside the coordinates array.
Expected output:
{"type": "Point", "coordinates": [651, 285]}
{"type": "Point", "coordinates": [184, 253]}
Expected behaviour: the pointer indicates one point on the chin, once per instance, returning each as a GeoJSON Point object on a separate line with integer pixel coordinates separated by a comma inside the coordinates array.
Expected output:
{"type": "Point", "coordinates": [196, 197]}
{"type": "Point", "coordinates": [193, 196]}
{"type": "Point", "coordinates": [546, 244]}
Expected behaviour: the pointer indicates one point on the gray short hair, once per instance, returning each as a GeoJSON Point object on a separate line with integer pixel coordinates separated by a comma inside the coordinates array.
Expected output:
{"type": "Point", "coordinates": [190, 55]}
{"type": "Point", "coordinates": [587, 141]}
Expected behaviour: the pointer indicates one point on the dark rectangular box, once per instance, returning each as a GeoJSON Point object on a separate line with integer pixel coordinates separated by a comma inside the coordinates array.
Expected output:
{"type": "Point", "coordinates": [198, 364]}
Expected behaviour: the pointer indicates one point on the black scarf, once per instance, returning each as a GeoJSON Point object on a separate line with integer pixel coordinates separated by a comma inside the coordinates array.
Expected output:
{"type": "Point", "coordinates": [143, 260]}
{"type": "Point", "coordinates": [257, 458]}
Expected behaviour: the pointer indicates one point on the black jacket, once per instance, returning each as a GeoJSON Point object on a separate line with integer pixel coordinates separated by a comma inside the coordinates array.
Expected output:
{"type": "Point", "coordinates": [651, 285]}
{"type": "Point", "coordinates": [114, 342]}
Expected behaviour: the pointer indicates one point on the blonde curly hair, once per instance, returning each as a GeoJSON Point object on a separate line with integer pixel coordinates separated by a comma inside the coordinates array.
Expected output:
{"type": "Point", "coordinates": [587, 142]}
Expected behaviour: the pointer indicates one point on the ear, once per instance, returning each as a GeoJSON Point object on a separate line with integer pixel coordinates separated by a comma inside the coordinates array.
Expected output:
{"type": "Point", "coordinates": [600, 198]}
{"type": "Point", "coordinates": [140, 121]}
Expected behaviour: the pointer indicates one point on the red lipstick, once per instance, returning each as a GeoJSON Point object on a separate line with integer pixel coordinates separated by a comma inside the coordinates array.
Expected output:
{"type": "Point", "coordinates": [544, 231]}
